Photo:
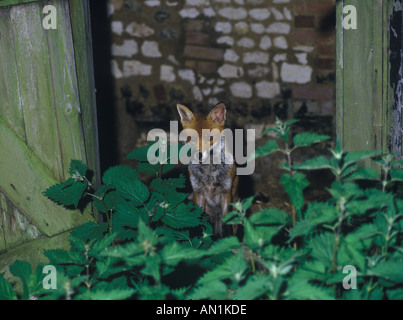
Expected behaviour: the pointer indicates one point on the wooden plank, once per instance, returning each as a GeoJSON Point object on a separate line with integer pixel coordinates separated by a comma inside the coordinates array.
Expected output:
{"type": "Point", "coordinates": [5, 3]}
{"type": "Point", "coordinates": [24, 176]}
{"type": "Point", "coordinates": [32, 252]}
{"type": "Point", "coordinates": [16, 227]}
{"type": "Point", "coordinates": [339, 71]}
{"type": "Point", "coordinates": [37, 95]}
{"type": "Point", "coordinates": [358, 80]}
{"type": "Point", "coordinates": [81, 27]}
{"type": "Point", "coordinates": [66, 102]}
{"type": "Point", "coordinates": [11, 105]}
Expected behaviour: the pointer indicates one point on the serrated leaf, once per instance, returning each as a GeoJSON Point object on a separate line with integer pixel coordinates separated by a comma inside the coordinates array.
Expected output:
{"type": "Point", "coordinates": [307, 139]}
{"type": "Point", "coordinates": [396, 175]}
{"type": "Point", "coordinates": [356, 156]}
{"type": "Point", "coordinates": [390, 270]}
{"type": "Point", "coordinates": [322, 248]}
{"type": "Point", "coordinates": [224, 246]}
{"type": "Point", "coordinates": [255, 287]}
{"type": "Point", "coordinates": [364, 174]}
{"type": "Point", "coordinates": [90, 230]}
{"type": "Point", "coordinates": [133, 190]}
{"type": "Point", "coordinates": [182, 216]}
{"type": "Point", "coordinates": [270, 147]}
{"type": "Point", "coordinates": [78, 168]}
{"type": "Point", "coordinates": [269, 216]}
{"type": "Point", "coordinates": [317, 163]}
{"type": "Point", "coordinates": [174, 253]}
{"type": "Point", "coordinates": [110, 294]}
{"type": "Point", "coordinates": [22, 270]}
{"type": "Point", "coordinates": [215, 290]}
{"type": "Point", "coordinates": [6, 290]}
{"type": "Point", "coordinates": [294, 187]}
{"type": "Point", "coordinates": [140, 154]}
{"type": "Point", "coordinates": [232, 268]}
{"type": "Point", "coordinates": [67, 193]}
{"type": "Point", "coordinates": [117, 173]}
{"type": "Point", "coordinates": [303, 290]}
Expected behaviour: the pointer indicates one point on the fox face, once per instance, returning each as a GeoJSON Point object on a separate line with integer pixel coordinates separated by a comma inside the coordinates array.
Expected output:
{"type": "Point", "coordinates": [204, 131]}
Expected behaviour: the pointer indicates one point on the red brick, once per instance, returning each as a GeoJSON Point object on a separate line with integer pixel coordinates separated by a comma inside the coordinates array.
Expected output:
{"type": "Point", "coordinates": [313, 93]}
{"type": "Point", "coordinates": [314, 7]}
{"type": "Point", "coordinates": [304, 22]}
{"type": "Point", "coordinates": [206, 67]}
{"type": "Point", "coordinates": [197, 38]}
{"type": "Point", "coordinates": [206, 53]}
{"type": "Point", "coordinates": [309, 35]}
{"type": "Point", "coordinates": [326, 49]}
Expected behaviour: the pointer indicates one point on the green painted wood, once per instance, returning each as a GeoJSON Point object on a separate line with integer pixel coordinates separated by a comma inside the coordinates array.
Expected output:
{"type": "Point", "coordinates": [11, 104]}
{"type": "Point", "coordinates": [36, 86]}
{"type": "Point", "coordinates": [362, 77]}
{"type": "Point", "coordinates": [17, 229]}
{"type": "Point", "coordinates": [48, 116]}
{"type": "Point", "coordinates": [24, 176]}
{"type": "Point", "coordinates": [81, 28]}
{"type": "Point", "coordinates": [4, 3]}
{"type": "Point", "coordinates": [66, 102]}
{"type": "Point", "coordinates": [31, 252]}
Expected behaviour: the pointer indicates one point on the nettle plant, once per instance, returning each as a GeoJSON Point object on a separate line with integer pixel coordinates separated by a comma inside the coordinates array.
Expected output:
{"type": "Point", "coordinates": [156, 244]}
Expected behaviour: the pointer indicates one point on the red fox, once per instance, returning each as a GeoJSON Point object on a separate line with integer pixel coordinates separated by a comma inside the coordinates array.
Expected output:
{"type": "Point", "coordinates": [214, 183]}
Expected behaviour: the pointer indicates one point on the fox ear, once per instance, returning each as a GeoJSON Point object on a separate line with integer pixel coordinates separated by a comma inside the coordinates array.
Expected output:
{"type": "Point", "coordinates": [218, 114]}
{"type": "Point", "coordinates": [185, 114]}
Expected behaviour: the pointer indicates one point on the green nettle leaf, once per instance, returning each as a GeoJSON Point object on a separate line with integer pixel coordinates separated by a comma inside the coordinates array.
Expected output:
{"type": "Point", "coordinates": [270, 147]}
{"type": "Point", "coordinates": [303, 290]}
{"type": "Point", "coordinates": [233, 268]}
{"type": "Point", "coordinates": [215, 290]}
{"type": "Point", "coordinates": [396, 174]}
{"type": "Point", "coordinates": [133, 190]}
{"type": "Point", "coordinates": [307, 138]}
{"type": "Point", "coordinates": [67, 193]}
{"type": "Point", "coordinates": [364, 174]}
{"type": "Point", "coordinates": [390, 270]}
{"type": "Point", "coordinates": [255, 287]}
{"type": "Point", "coordinates": [89, 231]}
{"type": "Point", "coordinates": [174, 253]}
{"type": "Point", "coordinates": [353, 157]}
{"type": "Point", "coordinates": [294, 187]}
{"type": "Point", "coordinates": [22, 270]}
{"type": "Point", "coordinates": [110, 294]}
{"type": "Point", "coordinates": [269, 216]}
{"type": "Point", "coordinates": [224, 246]}
{"type": "Point", "coordinates": [322, 248]}
{"type": "Point", "coordinates": [182, 216]}
{"type": "Point", "coordinates": [317, 163]}
{"type": "Point", "coordinates": [6, 290]}
{"type": "Point", "coordinates": [316, 214]}
{"type": "Point", "coordinates": [78, 168]}
{"type": "Point", "coordinates": [140, 154]}
{"type": "Point", "coordinates": [117, 173]}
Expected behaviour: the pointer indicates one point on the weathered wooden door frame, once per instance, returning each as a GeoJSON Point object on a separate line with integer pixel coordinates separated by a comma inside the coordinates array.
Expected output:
{"type": "Point", "coordinates": [23, 174]}
{"type": "Point", "coordinates": [368, 114]}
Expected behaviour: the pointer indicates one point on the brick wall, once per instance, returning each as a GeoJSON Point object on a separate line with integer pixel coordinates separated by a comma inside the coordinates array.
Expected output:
{"type": "Point", "coordinates": [265, 58]}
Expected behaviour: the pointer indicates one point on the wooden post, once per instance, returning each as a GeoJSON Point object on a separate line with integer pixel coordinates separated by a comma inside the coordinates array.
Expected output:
{"type": "Point", "coordinates": [364, 89]}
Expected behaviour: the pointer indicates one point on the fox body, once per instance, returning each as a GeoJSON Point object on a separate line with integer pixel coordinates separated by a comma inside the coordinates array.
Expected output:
{"type": "Point", "coordinates": [213, 175]}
